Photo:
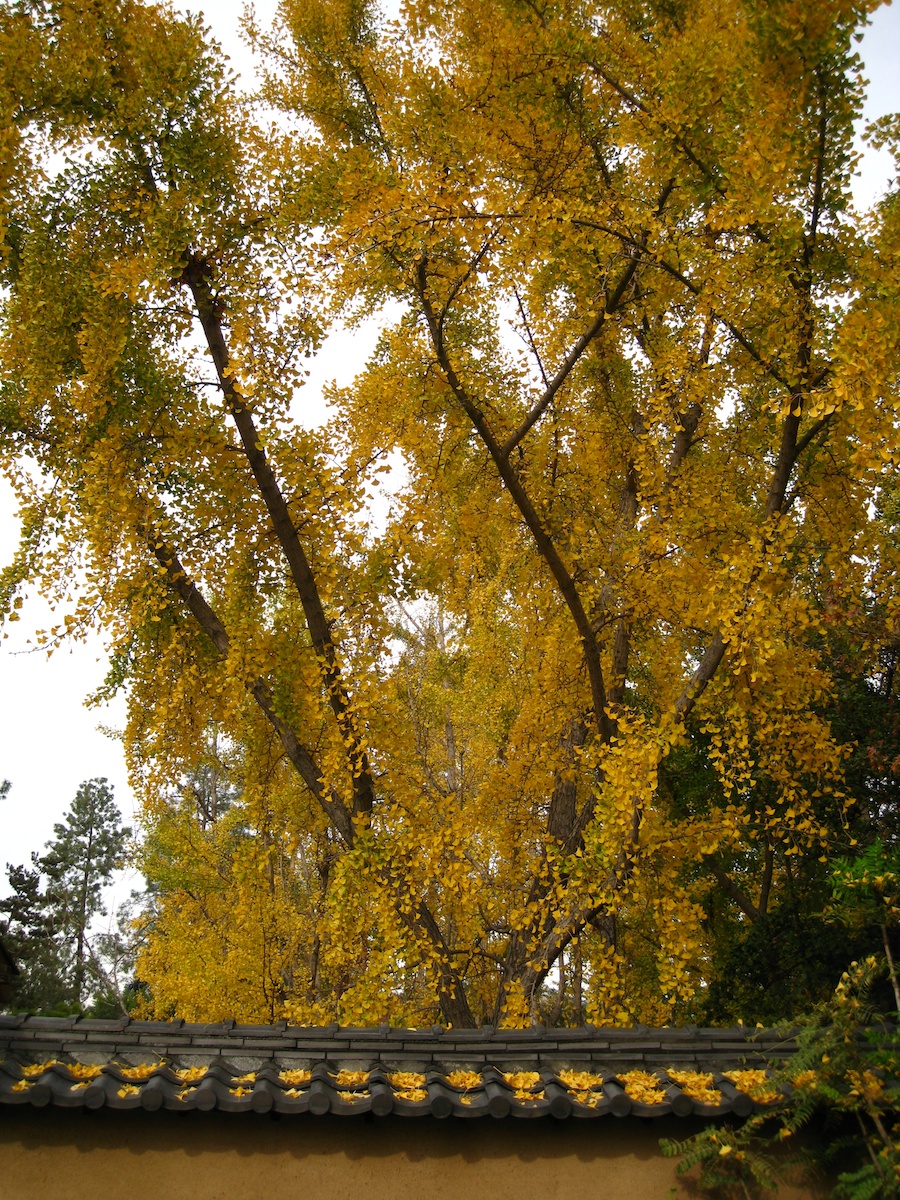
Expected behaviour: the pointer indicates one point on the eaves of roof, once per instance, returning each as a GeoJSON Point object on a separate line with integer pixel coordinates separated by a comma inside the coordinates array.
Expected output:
{"type": "Point", "coordinates": [584, 1073]}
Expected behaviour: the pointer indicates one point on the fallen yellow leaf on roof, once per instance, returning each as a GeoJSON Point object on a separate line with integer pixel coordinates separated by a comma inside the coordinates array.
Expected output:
{"type": "Point", "coordinates": [294, 1077]}
{"type": "Point", "coordinates": [580, 1081]}
{"type": "Point", "coordinates": [347, 1079]}
{"type": "Point", "coordinates": [643, 1087]}
{"type": "Point", "coordinates": [405, 1080]}
{"type": "Point", "coordinates": [84, 1070]}
{"type": "Point", "coordinates": [190, 1074]}
{"type": "Point", "coordinates": [754, 1083]}
{"type": "Point", "coordinates": [141, 1071]}
{"type": "Point", "coordinates": [464, 1079]}
{"type": "Point", "coordinates": [35, 1069]}
{"type": "Point", "coordinates": [698, 1085]}
{"type": "Point", "coordinates": [522, 1079]}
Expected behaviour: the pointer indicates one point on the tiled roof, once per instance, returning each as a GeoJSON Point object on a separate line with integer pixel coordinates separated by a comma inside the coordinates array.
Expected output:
{"type": "Point", "coordinates": [586, 1072]}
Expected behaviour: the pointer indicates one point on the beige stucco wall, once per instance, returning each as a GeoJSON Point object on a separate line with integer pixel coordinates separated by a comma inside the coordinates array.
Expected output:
{"type": "Point", "coordinates": [52, 1154]}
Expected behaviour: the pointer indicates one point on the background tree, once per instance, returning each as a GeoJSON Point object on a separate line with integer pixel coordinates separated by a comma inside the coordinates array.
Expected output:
{"type": "Point", "coordinates": [30, 933]}
{"type": "Point", "coordinates": [641, 377]}
{"type": "Point", "coordinates": [63, 965]}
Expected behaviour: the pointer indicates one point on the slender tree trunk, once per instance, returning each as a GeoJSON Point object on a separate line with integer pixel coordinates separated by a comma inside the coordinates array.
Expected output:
{"type": "Point", "coordinates": [577, 977]}
{"type": "Point", "coordinates": [891, 969]}
{"type": "Point", "coordinates": [82, 921]}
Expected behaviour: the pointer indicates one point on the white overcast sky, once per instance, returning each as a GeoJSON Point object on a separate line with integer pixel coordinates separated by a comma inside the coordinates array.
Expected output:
{"type": "Point", "coordinates": [49, 742]}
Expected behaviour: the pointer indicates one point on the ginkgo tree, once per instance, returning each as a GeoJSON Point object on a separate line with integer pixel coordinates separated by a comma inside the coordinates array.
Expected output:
{"type": "Point", "coordinates": [635, 395]}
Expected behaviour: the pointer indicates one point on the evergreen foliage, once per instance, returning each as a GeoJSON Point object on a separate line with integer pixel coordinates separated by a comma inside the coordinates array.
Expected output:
{"type": "Point", "coordinates": [50, 916]}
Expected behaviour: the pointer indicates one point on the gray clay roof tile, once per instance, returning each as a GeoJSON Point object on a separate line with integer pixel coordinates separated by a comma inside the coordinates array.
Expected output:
{"type": "Point", "coordinates": [148, 1065]}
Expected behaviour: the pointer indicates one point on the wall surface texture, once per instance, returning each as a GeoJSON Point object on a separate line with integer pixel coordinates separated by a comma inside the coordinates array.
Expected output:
{"type": "Point", "coordinates": [80, 1155]}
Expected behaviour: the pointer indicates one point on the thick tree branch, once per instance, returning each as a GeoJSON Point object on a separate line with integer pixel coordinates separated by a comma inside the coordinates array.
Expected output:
{"type": "Point", "coordinates": [554, 941]}
{"type": "Point", "coordinates": [300, 758]}
{"type": "Point", "coordinates": [813, 432]}
{"type": "Point", "coordinates": [737, 894]}
{"type": "Point", "coordinates": [561, 815]}
{"type": "Point", "coordinates": [699, 681]}
{"type": "Point", "coordinates": [452, 994]}
{"type": "Point", "coordinates": [520, 497]}
{"type": "Point", "coordinates": [196, 276]}
{"type": "Point", "coordinates": [414, 912]}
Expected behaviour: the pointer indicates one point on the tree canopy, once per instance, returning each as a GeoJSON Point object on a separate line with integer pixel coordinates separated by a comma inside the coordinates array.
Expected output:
{"type": "Point", "coordinates": [557, 729]}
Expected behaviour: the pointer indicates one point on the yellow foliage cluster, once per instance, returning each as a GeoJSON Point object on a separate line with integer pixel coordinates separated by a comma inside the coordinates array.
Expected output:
{"type": "Point", "coordinates": [867, 1086]}
{"type": "Point", "coordinates": [806, 1080]}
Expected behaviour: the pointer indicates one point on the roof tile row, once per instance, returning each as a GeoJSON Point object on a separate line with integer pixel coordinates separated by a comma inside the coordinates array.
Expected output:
{"type": "Point", "coordinates": [489, 1092]}
{"type": "Point", "coordinates": [585, 1072]}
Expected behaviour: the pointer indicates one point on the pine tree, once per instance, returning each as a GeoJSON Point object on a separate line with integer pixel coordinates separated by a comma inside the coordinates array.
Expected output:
{"type": "Point", "coordinates": [46, 928]}
{"type": "Point", "coordinates": [30, 935]}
